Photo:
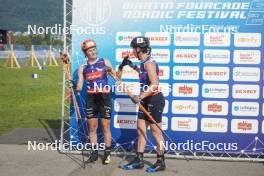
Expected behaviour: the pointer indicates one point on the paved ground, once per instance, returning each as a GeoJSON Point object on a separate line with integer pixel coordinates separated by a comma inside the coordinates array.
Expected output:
{"type": "Point", "coordinates": [23, 135]}
{"type": "Point", "coordinates": [17, 160]}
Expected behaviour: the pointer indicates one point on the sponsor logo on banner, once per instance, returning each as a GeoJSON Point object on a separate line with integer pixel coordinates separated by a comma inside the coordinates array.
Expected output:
{"type": "Point", "coordinates": [133, 87]}
{"type": "Point", "coordinates": [128, 73]}
{"type": "Point", "coordinates": [217, 39]}
{"type": "Point", "coordinates": [247, 39]}
{"type": "Point", "coordinates": [166, 107]}
{"type": "Point", "coordinates": [215, 107]}
{"type": "Point", "coordinates": [184, 107]}
{"type": "Point", "coordinates": [158, 38]}
{"type": "Point", "coordinates": [124, 38]}
{"type": "Point", "coordinates": [247, 57]}
{"type": "Point", "coordinates": [124, 105]}
{"type": "Point", "coordinates": [218, 125]}
{"type": "Point", "coordinates": [122, 52]}
{"type": "Point", "coordinates": [125, 121]}
{"type": "Point", "coordinates": [216, 73]}
{"type": "Point", "coordinates": [245, 109]}
{"type": "Point", "coordinates": [244, 126]}
{"type": "Point", "coordinates": [187, 39]}
{"type": "Point", "coordinates": [184, 124]}
{"type": "Point", "coordinates": [211, 56]}
{"type": "Point", "coordinates": [215, 90]}
{"type": "Point", "coordinates": [160, 55]}
{"type": "Point", "coordinates": [165, 89]}
{"type": "Point", "coordinates": [185, 90]}
{"type": "Point", "coordinates": [186, 56]}
{"type": "Point", "coordinates": [185, 73]}
{"type": "Point", "coordinates": [248, 74]}
{"type": "Point", "coordinates": [164, 72]}
{"type": "Point", "coordinates": [245, 91]}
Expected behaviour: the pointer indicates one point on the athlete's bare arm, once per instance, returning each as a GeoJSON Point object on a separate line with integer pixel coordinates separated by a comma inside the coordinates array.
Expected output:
{"type": "Point", "coordinates": [80, 78]}
{"type": "Point", "coordinates": [108, 63]}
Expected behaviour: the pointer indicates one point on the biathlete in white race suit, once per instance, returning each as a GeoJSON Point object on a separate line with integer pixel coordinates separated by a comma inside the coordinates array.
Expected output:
{"type": "Point", "coordinates": [98, 100]}
{"type": "Point", "coordinates": [152, 100]}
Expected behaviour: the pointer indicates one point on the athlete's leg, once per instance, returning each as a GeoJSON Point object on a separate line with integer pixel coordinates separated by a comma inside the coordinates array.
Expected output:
{"type": "Point", "coordinates": [92, 116]}
{"type": "Point", "coordinates": [156, 107]}
{"type": "Point", "coordinates": [93, 125]}
{"type": "Point", "coordinates": [137, 162]}
{"type": "Point", "coordinates": [142, 135]}
{"type": "Point", "coordinates": [106, 130]}
{"type": "Point", "coordinates": [105, 111]}
{"type": "Point", "coordinates": [157, 134]}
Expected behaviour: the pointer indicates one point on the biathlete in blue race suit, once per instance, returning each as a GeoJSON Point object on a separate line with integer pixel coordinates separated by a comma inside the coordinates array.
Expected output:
{"type": "Point", "coordinates": [152, 100]}
{"type": "Point", "coordinates": [98, 101]}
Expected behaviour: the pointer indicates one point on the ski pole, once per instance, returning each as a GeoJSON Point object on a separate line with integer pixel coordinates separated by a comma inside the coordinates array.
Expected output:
{"type": "Point", "coordinates": [116, 78]}
{"type": "Point", "coordinates": [75, 104]}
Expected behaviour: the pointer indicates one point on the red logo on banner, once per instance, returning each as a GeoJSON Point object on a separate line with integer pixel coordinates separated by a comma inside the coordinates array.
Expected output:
{"type": "Point", "coordinates": [158, 38]}
{"type": "Point", "coordinates": [130, 54]}
{"type": "Point", "coordinates": [246, 91]}
{"type": "Point", "coordinates": [244, 126]}
{"type": "Point", "coordinates": [126, 121]}
{"type": "Point", "coordinates": [185, 90]}
{"type": "Point", "coordinates": [214, 107]}
{"type": "Point", "coordinates": [161, 72]}
{"type": "Point", "coordinates": [215, 73]}
{"type": "Point", "coordinates": [192, 56]}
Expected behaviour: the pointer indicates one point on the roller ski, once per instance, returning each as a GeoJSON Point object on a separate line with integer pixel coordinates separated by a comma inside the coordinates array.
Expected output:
{"type": "Point", "coordinates": [158, 166]}
{"type": "Point", "coordinates": [137, 163]}
{"type": "Point", "coordinates": [93, 157]}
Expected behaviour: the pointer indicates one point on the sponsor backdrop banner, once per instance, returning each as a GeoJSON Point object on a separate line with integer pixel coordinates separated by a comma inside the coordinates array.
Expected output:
{"type": "Point", "coordinates": [210, 56]}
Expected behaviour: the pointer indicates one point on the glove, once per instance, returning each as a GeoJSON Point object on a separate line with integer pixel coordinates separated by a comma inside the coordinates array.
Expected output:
{"type": "Point", "coordinates": [129, 62]}
{"type": "Point", "coordinates": [125, 62]}
{"type": "Point", "coordinates": [136, 99]}
{"type": "Point", "coordinates": [135, 67]}
{"type": "Point", "coordinates": [64, 57]}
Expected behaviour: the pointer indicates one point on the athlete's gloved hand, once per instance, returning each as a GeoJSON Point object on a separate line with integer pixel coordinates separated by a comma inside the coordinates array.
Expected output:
{"type": "Point", "coordinates": [65, 57]}
{"type": "Point", "coordinates": [124, 63]}
{"type": "Point", "coordinates": [135, 67]}
{"type": "Point", "coordinates": [128, 62]}
{"type": "Point", "coordinates": [136, 99]}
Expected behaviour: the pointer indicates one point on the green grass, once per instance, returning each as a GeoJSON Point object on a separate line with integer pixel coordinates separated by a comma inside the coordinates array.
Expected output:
{"type": "Point", "coordinates": [27, 102]}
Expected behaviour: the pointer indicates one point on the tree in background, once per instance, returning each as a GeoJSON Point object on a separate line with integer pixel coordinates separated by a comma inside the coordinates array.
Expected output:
{"type": "Point", "coordinates": [28, 40]}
